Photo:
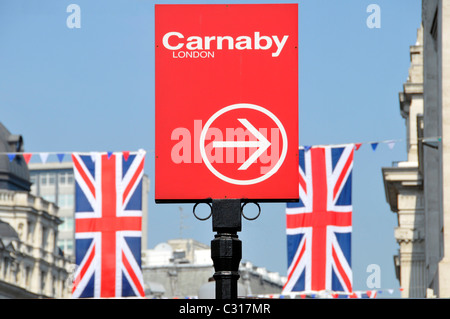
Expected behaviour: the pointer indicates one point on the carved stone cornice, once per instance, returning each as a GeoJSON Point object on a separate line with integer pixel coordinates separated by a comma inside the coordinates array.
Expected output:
{"type": "Point", "coordinates": [407, 235]}
{"type": "Point", "coordinates": [399, 180]}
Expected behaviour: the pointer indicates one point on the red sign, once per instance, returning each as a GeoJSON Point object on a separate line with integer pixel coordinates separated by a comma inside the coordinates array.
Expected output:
{"type": "Point", "coordinates": [226, 102]}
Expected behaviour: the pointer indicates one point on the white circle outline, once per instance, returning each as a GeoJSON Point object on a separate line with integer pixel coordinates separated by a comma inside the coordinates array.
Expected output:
{"type": "Point", "coordinates": [243, 106]}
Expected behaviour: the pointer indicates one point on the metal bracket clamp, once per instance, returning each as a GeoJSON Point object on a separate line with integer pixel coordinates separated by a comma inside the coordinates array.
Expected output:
{"type": "Point", "coordinates": [202, 218]}
{"type": "Point", "coordinates": [211, 211]}
{"type": "Point", "coordinates": [250, 218]}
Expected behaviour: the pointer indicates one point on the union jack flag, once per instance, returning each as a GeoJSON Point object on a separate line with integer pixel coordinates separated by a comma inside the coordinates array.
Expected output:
{"type": "Point", "coordinates": [108, 224]}
{"type": "Point", "coordinates": [319, 226]}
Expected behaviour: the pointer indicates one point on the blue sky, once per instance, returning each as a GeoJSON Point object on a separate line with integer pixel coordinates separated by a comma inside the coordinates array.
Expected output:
{"type": "Point", "coordinates": [92, 89]}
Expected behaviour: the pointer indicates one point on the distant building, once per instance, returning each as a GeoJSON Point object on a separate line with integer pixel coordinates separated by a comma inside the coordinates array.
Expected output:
{"type": "Point", "coordinates": [418, 189]}
{"type": "Point", "coordinates": [55, 183]}
{"type": "Point", "coordinates": [184, 268]}
{"type": "Point", "coordinates": [31, 265]}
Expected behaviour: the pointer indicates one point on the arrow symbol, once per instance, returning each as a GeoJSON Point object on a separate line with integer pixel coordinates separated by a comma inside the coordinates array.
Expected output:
{"type": "Point", "coordinates": [262, 144]}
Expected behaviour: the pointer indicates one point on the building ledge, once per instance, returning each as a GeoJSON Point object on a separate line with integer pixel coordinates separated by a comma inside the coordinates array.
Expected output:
{"type": "Point", "coordinates": [399, 178]}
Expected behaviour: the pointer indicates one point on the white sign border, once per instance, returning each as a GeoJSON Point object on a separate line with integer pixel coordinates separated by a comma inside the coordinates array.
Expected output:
{"type": "Point", "coordinates": [243, 106]}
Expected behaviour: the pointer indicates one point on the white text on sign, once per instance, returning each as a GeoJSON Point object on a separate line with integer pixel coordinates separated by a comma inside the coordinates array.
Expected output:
{"type": "Point", "coordinates": [174, 41]}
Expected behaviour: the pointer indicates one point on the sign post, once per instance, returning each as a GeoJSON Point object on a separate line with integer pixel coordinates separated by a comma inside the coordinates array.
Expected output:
{"type": "Point", "coordinates": [226, 115]}
{"type": "Point", "coordinates": [226, 248]}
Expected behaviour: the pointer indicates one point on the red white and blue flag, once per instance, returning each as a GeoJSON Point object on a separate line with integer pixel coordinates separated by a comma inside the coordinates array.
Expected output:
{"type": "Point", "coordinates": [108, 224]}
{"type": "Point", "coordinates": [319, 226]}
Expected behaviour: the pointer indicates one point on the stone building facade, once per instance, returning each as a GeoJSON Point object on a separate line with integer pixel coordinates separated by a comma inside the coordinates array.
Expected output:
{"type": "Point", "coordinates": [31, 265]}
{"type": "Point", "coordinates": [418, 189]}
{"type": "Point", "coordinates": [404, 184]}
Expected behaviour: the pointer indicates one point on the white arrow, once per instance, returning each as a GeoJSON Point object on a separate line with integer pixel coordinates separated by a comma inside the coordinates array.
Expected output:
{"type": "Point", "coordinates": [262, 143]}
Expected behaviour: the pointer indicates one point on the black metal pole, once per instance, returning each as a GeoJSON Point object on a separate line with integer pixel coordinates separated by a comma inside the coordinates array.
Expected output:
{"type": "Point", "coordinates": [226, 248]}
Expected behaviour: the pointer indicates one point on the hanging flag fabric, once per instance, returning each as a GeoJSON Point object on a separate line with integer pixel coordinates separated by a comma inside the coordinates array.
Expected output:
{"type": "Point", "coordinates": [44, 157]}
{"type": "Point", "coordinates": [391, 144]}
{"type": "Point", "coordinates": [319, 225]}
{"type": "Point", "coordinates": [60, 157]}
{"type": "Point", "coordinates": [108, 225]}
{"type": "Point", "coordinates": [27, 157]}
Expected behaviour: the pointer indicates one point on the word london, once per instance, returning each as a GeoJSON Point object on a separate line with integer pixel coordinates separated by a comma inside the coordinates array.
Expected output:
{"type": "Point", "coordinates": [192, 54]}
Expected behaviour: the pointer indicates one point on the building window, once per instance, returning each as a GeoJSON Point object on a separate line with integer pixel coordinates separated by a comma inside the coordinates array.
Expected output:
{"type": "Point", "coordinates": [61, 244]}
{"type": "Point", "coordinates": [66, 246]}
{"type": "Point", "coordinates": [27, 277]}
{"type": "Point", "coordinates": [48, 179]}
{"type": "Point", "coordinates": [67, 223]}
{"type": "Point", "coordinates": [44, 238]}
{"type": "Point", "coordinates": [54, 286]}
{"type": "Point", "coordinates": [51, 179]}
{"type": "Point", "coordinates": [43, 279]}
{"type": "Point", "coordinates": [44, 179]}
{"type": "Point", "coordinates": [30, 230]}
{"type": "Point", "coordinates": [69, 246]}
{"type": "Point", "coordinates": [65, 200]}
{"type": "Point", "coordinates": [66, 178]}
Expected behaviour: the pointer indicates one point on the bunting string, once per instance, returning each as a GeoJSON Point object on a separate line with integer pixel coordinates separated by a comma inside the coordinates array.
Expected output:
{"type": "Point", "coordinates": [59, 155]}
{"type": "Point", "coordinates": [326, 294]}
{"type": "Point", "coordinates": [323, 294]}
{"type": "Point", "coordinates": [44, 156]}
{"type": "Point", "coordinates": [374, 144]}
